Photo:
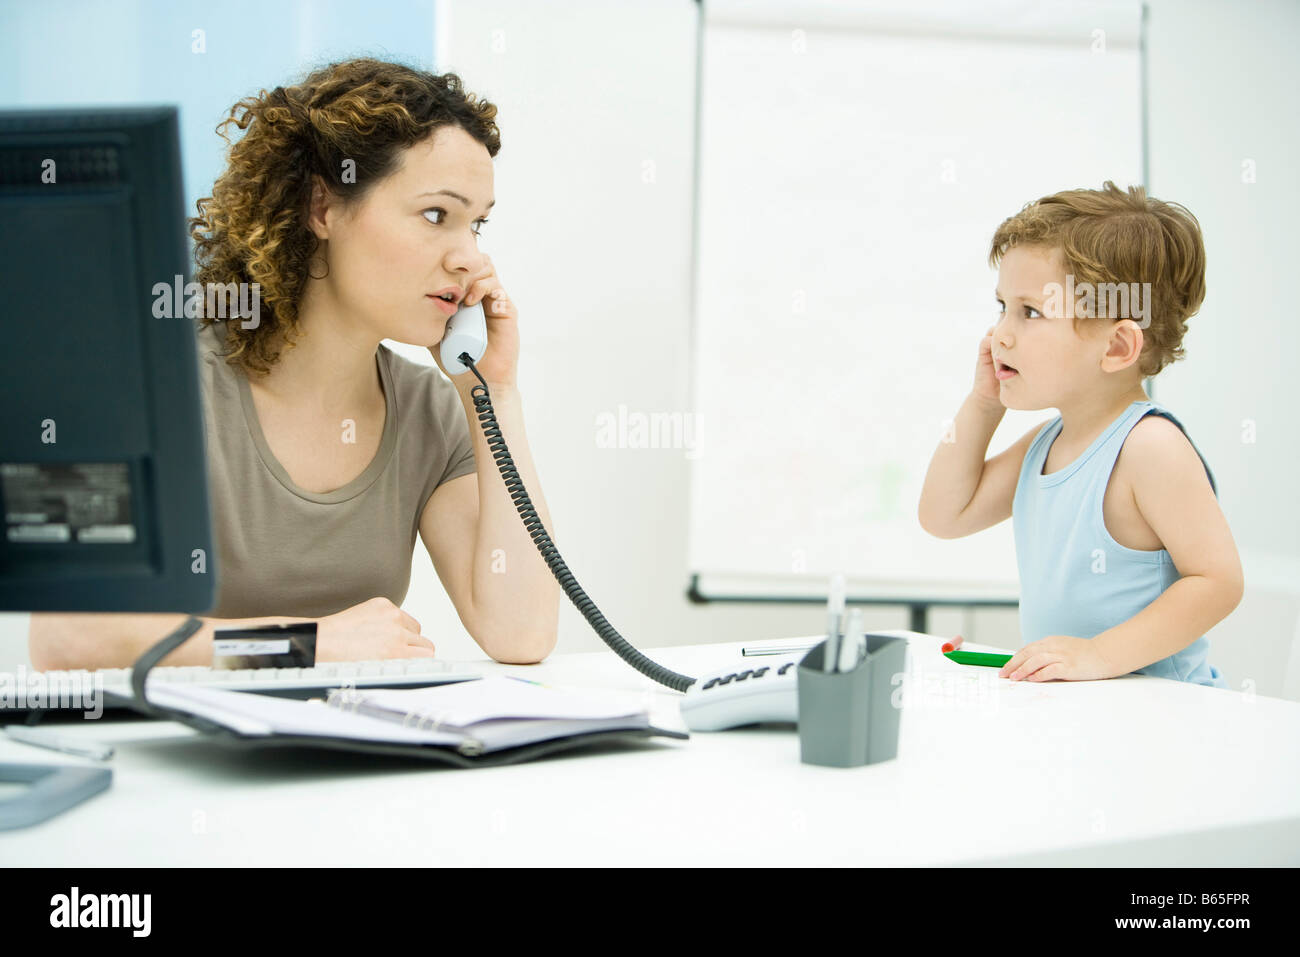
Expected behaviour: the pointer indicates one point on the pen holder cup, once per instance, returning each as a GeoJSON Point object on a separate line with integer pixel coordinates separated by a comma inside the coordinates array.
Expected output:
{"type": "Point", "coordinates": [848, 718]}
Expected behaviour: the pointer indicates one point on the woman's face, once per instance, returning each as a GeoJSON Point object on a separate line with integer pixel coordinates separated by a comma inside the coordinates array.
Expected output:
{"type": "Point", "coordinates": [413, 236]}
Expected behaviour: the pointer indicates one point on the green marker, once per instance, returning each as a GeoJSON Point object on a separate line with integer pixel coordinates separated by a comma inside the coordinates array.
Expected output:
{"type": "Point", "coordinates": [977, 658]}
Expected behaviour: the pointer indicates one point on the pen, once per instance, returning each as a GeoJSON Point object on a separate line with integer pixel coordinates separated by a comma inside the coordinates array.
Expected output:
{"type": "Point", "coordinates": [852, 646]}
{"type": "Point", "coordinates": [526, 681]}
{"type": "Point", "coordinates": [41, 738]}
{"type": "Point", "coordinates": [834, 619]}
{"type": "Point", "coordinates": [978, 658]}
{"type": "Point", "coordinates": [777, 649]}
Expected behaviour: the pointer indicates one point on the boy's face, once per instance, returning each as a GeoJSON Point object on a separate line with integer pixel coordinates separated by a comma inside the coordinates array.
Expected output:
{"type": "Point", "coordinates": [1041, 360]}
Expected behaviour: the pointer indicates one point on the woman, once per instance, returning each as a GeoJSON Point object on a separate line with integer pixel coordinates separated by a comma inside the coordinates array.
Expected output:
{"type": "Point", "coordinates": [354, 201]}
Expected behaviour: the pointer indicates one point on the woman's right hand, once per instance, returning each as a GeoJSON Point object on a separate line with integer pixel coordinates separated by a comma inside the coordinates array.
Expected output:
{"type": "Point", "coordinates": [986, 380]}
{"type": "Point", "coordinates": [373, 629]}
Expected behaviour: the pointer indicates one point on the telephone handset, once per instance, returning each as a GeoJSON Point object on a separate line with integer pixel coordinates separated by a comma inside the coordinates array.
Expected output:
{"type": "Point", "coordinates": [466, 332]}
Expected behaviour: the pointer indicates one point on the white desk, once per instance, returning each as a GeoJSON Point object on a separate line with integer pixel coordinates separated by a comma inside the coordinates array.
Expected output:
{"type": "Point", "coordinates": [1127, 771]}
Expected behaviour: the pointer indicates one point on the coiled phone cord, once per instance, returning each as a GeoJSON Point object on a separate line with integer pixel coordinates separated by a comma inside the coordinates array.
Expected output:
{"type": "Point", "coordinates": [514, 484]}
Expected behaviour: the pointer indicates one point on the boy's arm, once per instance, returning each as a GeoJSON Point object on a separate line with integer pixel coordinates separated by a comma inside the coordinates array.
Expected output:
{"type": "Point", "coordinates": [963, 493]}
{"type": "Point", "coordinates": [1174, 496]}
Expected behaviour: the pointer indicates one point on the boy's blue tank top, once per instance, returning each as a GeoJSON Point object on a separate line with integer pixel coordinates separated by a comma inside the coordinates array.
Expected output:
{"type": "Point", "coordinates": [1074, 578]}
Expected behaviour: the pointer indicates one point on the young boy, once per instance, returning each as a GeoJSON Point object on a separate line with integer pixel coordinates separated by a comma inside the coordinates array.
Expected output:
{"type": "Point", "coordinates": [1125, 558]}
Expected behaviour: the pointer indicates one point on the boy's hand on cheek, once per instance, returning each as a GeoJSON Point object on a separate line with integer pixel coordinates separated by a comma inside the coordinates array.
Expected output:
{"type": "Point", "coordinates": [1058, 656]}
{"type": "Point", "coordinates": [986, 381]}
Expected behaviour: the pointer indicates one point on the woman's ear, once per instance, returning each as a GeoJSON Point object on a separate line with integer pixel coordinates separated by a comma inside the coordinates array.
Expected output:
{"type": "Point", "coordinates": [1124, 346]}
{"type": "Point", "coordinates": [317, 208]}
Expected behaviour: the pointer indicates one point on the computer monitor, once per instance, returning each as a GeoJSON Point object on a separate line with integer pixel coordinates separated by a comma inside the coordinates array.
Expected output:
{"type": "Point", "coordinates": [103, 479]}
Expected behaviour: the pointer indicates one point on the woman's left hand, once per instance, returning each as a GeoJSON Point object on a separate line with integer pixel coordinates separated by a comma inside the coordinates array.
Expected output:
{"type": "Point", "coordinates": [500, 362]}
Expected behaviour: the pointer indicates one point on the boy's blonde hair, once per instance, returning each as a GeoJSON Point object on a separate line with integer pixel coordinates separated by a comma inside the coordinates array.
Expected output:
{"type": "Point", "coordinates": [1110, 236]}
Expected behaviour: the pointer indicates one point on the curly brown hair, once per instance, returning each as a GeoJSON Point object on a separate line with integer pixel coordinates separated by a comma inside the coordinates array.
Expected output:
{"type": "Point", "coordinates": [1108, 235]}
{"type": "Point", "coordinates": [252, 229]}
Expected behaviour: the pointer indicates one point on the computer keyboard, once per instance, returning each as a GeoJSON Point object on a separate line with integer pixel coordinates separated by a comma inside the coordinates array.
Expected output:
{"type": "Point", "coordinates": [69, 691]}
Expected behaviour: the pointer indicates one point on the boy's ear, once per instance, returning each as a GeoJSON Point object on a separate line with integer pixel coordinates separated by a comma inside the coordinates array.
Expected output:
{"type": "Point", "coordinates": [1124, 346]}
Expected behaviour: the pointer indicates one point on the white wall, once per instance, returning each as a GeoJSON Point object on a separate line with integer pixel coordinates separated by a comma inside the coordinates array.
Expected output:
{"type": "Point", "coordinates": [13, 641]}
{"type": "Point", "coordinates": [1223, 78]}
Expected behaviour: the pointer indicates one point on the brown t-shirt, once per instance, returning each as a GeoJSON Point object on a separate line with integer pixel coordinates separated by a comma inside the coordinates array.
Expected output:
{"type": "Point", "coordinates": [286, 551]}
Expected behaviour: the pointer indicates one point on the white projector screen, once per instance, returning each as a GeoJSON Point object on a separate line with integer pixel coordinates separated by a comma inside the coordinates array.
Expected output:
{"type": "Point", "coordinates": [853, 162]}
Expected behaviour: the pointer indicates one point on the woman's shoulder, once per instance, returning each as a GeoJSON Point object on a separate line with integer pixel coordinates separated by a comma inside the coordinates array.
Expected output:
{"type": "Point", "coordinates": [215, 373]}
{"type": "Point", "coordinates": [210, 341]}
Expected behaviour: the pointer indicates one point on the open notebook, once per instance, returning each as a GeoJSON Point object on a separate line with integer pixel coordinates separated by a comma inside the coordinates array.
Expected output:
{"type": "Point", "coordinates": [472, 718]}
